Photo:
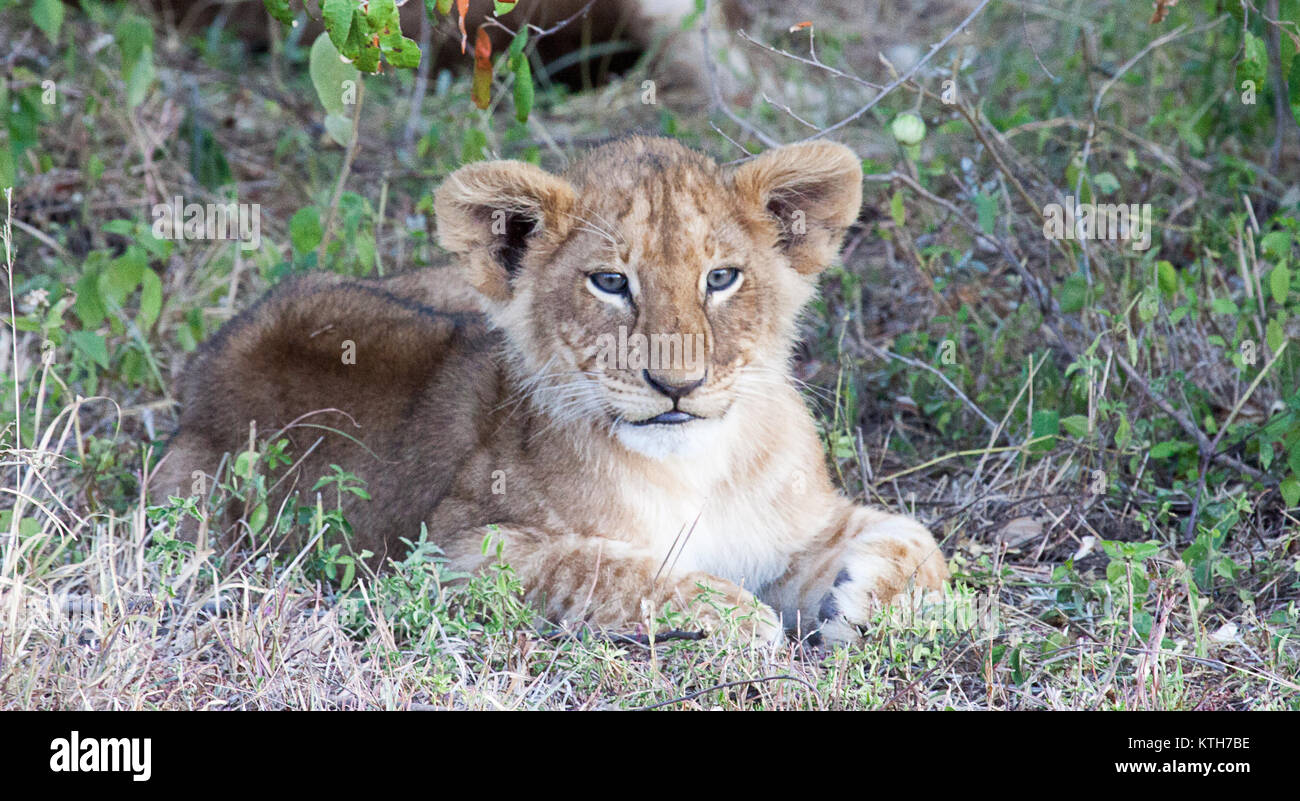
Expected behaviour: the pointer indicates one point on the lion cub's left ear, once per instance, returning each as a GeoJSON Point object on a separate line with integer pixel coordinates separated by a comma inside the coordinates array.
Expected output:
{"type": "Point", "coordinates": [813, 190]}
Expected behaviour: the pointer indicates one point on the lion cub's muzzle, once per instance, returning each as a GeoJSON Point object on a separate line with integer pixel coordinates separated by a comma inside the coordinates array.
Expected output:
{"type": "Point", "coordinates": [672, 385]}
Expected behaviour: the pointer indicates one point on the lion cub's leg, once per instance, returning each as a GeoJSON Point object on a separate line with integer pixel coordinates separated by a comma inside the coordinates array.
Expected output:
{"type": "Point", "coordinates": [604, 582]}
{"type": "Point", "coordinates": [867, 559]}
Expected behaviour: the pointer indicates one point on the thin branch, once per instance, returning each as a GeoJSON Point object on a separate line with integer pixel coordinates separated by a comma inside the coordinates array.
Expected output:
{"type": "Point", "coordinates": [715, 93]}
{"type": "Point", "coordinates": [905, 77]}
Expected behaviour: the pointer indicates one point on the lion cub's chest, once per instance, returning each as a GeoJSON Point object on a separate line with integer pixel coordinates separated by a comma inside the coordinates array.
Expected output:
{"type": "Point", "coordinates": [743, 531]}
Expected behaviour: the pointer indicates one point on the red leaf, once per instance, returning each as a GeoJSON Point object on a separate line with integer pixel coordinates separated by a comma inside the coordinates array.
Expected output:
{"type": "Point", "coordinates": [481, 91]}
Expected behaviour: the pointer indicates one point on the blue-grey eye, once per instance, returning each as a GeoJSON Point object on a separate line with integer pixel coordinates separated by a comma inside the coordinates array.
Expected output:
{"type": "Point", "coordinates": [613, 283]}
{"type": "Point", "coordinates": [721, 278]}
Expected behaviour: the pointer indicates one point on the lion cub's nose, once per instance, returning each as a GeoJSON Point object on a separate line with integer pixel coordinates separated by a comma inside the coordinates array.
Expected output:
{"type": "Point", "coordinates": [674, 391]}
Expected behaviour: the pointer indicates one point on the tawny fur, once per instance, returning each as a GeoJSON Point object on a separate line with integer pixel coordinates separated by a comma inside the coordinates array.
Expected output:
{"type": "Point", "coordinates": [478, 404]}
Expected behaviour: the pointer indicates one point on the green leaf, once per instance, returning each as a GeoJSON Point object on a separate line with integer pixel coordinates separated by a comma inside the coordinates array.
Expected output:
{"type": "Point", "coordinates": [1276, 244]}
{"type": "Point", "coordinates": [1253, 62]}
{"type": "Point", "coordinates": [1106, 183]}
{"type": "Point", "coordinates": [473, 146]}
{"type": "Point", "coordinates": [329, 75]}
{"type": "Point", "coordinates": [502, 8]}
{"type": "Point", "coordinates": [444, 7]}
{"type": "Point", "coordinates": [150, 300]}
{"type": "Point", "coordinates": [1076, 425]}
{"type": "Point", "coordinates": [257, 518]}
{"type": "Point", "coordinates": [517, 45]}
{"type": "Point", "coordinates": [338, 16]}
{"type": "Point", "coordinates": [1279, 282]}
{"type": "Point", "coordinates": [1164, 450]}
{"type": "Point", "coordinates": [48, 16]}
{"type": "Point", "coordinates": [339, 128]}
{"type": "Point", "coordinates": [1073, 294]}
{"type": "Point", "coordinates": [122, 275]}
{"type": "Point", "coordinates": [1290, 489]}
{"type": "Point", "coordinates": [305, 230]}
{"type": "Point", "coordinates": [1045, 424]}
{"type": "Point", "coordinates": [401, 52]}
{"type": "Point", "coordinates": [279, 10]}
{"type": "Point", "coordinates": [1274, 334]}
{"type": "Point", "coordinates": [1123, 433]}
{"type": "Point", "coordinates": [523, 89]}
{"type": "Point", "coordinates": [134, 37]}
{"type": "Point", "coordinates": [92, 345]}
{"type": "Point", "coordinates": [1167, 277]}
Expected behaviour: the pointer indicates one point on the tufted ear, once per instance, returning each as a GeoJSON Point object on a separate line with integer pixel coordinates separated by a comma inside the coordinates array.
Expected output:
{"type": "Point", "coordinates": [493, 213]}
{"type": "Point", "coordinates": [813, 191]}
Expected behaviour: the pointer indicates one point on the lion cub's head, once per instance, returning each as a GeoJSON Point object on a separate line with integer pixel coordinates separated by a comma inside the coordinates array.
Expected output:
{"type": "Point", "coordinates": [648, 290]}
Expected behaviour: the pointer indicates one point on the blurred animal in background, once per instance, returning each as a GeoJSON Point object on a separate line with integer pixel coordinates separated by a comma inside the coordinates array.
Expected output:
{"type": "Point", "coordinates": [591, 40]}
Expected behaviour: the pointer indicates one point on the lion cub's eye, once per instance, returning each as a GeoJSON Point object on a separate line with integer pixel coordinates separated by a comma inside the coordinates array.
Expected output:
{"type": "Point", "coordinates": [721, 278]}
{"type": "Point", "coordinates": [613, 283]}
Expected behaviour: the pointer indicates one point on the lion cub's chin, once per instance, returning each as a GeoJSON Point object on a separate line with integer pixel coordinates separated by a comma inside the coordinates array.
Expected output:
{"type": "Point", "coordinates": [668, 441]}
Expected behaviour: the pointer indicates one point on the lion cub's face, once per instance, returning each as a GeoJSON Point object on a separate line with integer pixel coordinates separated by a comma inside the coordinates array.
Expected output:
{"type": "Point", "coordinates": [649, 291]}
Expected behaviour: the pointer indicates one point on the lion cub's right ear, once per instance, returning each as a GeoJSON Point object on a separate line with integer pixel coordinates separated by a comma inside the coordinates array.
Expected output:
{"type": "Point", "coordinates": [495, 214]}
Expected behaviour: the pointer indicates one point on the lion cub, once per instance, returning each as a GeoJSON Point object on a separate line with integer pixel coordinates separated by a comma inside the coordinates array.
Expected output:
{"type": "Point", "coordinates": [599, 385]}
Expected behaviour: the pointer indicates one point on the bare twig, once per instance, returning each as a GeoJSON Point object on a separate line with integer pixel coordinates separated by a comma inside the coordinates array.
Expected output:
{"type": "Point", "coordinates": [906, 76]}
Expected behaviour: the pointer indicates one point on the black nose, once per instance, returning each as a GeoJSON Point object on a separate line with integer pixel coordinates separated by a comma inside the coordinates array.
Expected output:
{"type": "Point", "coordinates": [674, 391]}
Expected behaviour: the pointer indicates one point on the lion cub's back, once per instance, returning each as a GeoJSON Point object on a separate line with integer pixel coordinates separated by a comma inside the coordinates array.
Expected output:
{"type": "Point", "coordinates": [355, 374]}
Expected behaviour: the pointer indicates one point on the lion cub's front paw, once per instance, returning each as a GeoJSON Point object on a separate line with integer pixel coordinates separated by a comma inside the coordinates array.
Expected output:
{"type": "Point", "coordinates": [724, 609]}
{"type": "Point", "coordinates": [884, 556]}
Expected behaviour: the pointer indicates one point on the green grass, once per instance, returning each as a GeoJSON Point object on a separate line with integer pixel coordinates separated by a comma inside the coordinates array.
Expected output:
{"type": "Point", "coordinates": [1107, 441]}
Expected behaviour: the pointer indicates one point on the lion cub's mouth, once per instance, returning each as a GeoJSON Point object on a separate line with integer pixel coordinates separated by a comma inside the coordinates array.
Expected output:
{"type": "Point", "coordinates": [670, 418]}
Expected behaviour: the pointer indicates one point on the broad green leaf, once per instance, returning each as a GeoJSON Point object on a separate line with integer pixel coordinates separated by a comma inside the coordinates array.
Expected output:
{"type": "Point", "coordinates": [48, 16]}
{"type": "Point", "coordinates": [305, 230]}
{"type": "Point", "coordinates": [503, 7]}
{"type": "Point", "coordinates": [1290, 489]}
{"type": "Point", "coordinates": [92, 345]}
{"type": "Point", "coordinates": [1276, 244]}
{"type": "Point", "coordinates": [122, 275]}
{"type": "Point", "coordinates": [89, 306]}
{"type": "Point", "coordinates": [330, 75]}
{"type": "Point", "coordinates": [1073, 294]}
{"type": "Point", "coordinates": [1076, 425]}
{"type": "Point", "coordinates": [1275, 334]}
{"type": "Point", "coordinates": [1123, 433]}
{"type": "Point", "coordinates": [1279, 282]}
{"type": "Point", "coordinates": [1045, 424]}
{"type": "Point", "coordinates": [1167, 277]}
{"type": "Point", "coordinates": [401, 52]}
